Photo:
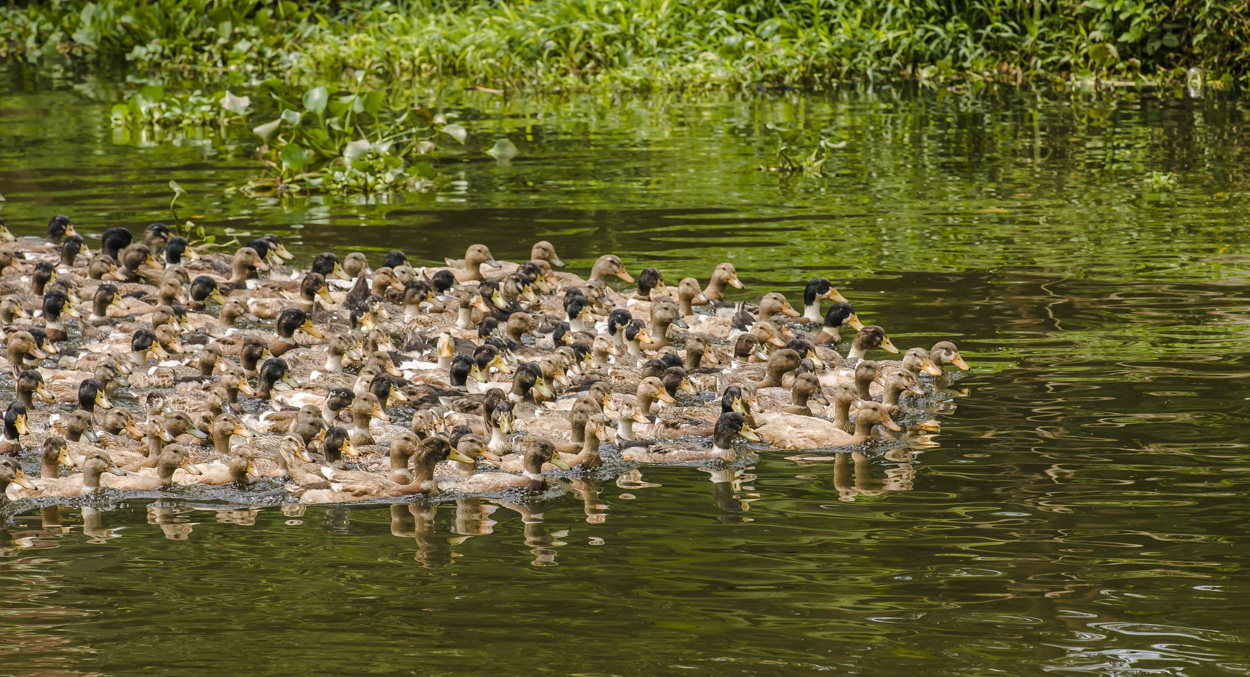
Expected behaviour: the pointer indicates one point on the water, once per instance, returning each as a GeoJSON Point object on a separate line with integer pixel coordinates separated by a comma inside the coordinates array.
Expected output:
{"type": "Point", "coordinates": [1082, 511]}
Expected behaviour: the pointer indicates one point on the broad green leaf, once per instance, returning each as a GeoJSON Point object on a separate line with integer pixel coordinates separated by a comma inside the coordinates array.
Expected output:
{"type": "Point", "coordinates": [267, 130]}
{"type": "Point", "coordinates": [372, 102]}
{"type": "Point", "coordinates": [153, 93]}
{"type": "Point", "coordinates": [456, 132]}
{"type": "Point", "coordinates": [178, 190]}
{"type": "Point", "coordinates": [235, 104]}
{"type": "Point", "coordinates": [356, 149]}
{"type": "Point", "coordinates": [503, 150]}
{"type": "Point", "coordinates": [294, 157]}
{"type": "Point", "coordinates": [120, 111]}
{"type": "Point", "coordinates": [292, 117]}
{"type": "Point", "coordinates": [315, 100]}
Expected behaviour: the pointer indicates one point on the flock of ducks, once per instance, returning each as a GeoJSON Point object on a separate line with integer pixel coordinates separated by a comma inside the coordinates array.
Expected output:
{"type": "Point", "coordinates": [147, 365]}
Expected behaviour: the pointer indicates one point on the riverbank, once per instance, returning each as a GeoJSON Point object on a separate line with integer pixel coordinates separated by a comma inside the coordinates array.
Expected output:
{"type": "Point", "coordinates": [647, 44]}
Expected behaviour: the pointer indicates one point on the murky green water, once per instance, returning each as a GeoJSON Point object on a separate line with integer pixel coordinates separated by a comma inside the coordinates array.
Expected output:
{"type": "Point", "coordinates": [1084, 513]}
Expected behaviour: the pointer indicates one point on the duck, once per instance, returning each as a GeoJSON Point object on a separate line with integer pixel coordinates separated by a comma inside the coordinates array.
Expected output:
{"type": "Point", "coordinates": [93, 464]}
{"type": "Point", "coordinates": [403, 447]}
{"type": "Point", "coordinates": [724, 275]}
{"type": "Point", "coordinates": [728, 426]}
{"type": "Point", "coordinates": [816, 291]}
{"type": "Point", "coordinates": [15, 427]}
{"type": "Point", "coordinates": [945, 353]}
{"type": "Point", "coordinates": [839, 315]}
{"type": "Point", "coordinates": [871, 336]}
{"type": "Point", "coordinates": [288, 322]}
{"type": "Point", "coordinates": [790, 431]}
{"type": "Point", "coordinates": [535, 452]}
{"type": "Point", "coordinates": [11, 473]}
{"type": "Point", "coordinates": [470, 269]}
{"type": "Point", "coordinates": [171, 459]}
{"type": "Point", "coordinates": [238, 468]}
{"type": "Point", "coordinates": [21, 348]}
{"type": "Point", "coordinates": [30, 384]}
{"type": "Point", "coordinates": [430, 452]}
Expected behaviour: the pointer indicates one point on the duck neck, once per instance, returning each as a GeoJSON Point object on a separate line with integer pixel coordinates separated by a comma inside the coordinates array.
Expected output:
{"type": "Point", "coordinates": [856, 353]}
{"type": "Point", "coordinates": [577, 432]}
{"type": "Point", "coordinates": [798, 397]}
{"type": "Point", "coordinates": [659, 333]}
{"type": "Point", "coordinates": [334, 363]}
{"type": "Point", "coordinates": [635, 349]}
{"type": "Point", "coordinates": [890, 396]}
{"type": "Point", "coordinates": [772, 378]}
{"type": "Point", "coordinates": [829, 335]}
{"type": "Point", "coordinates": [465, 469]}
{"type": "Point", "coordinates": [49, 468]}
{"type": "Point", "coordinates": [330, 416]}
{"type": "Point", "coordinates": [863, 388]}
{"type": "Point", "coordinates": [715, 289]}
{"type": "Point", "coordinates": [590, 448]}
{"type": "Point", "coordinates": [863, 430]}
{"type": "Point", "coordinates": [684, 307]}
{"type": "Point", "coordinates": [842, 412]}
{"type": "Point", "coordinates": [576, 324]}
{"type": "Point", "coordinates": [498, 441]}
{"type": "Point", "coordinates": [444, 362]}
{"type": "Point", "coordinates": [221, 441]}
{"type": "Point", "coordinates": [26, 397]}
{"type": "Point", "coordinates": [465, 319]}
{"type": "Point", "coordinates": [811, 311]}
{"type": "Point", "coordinates": [694, 358]}
{"type": "Point", "coordinates": [625, 428]}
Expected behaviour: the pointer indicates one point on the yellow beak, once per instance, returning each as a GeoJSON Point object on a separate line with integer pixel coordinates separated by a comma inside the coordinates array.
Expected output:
{"type": "Point", "coordinates": [749, 434]}
{"type": "Point", "coordinates": [379, 414]}
{"type": "Point", "coordinates": [663, 396]}
{"type": "Point", "coordinates": [854, 322]}
{"type": "Point", "coordinates": [102, 400]}
{"type": "Point", "coordinates": [241, 431]}
{"type": "Point", "coordinates": [72, 311]}
{"type": "Point", "coordinates": [559, 462]}
{"type": "Point", "coordinates": [624, 275]}
{"type": "Point", "coordinates": [349, 448]}
{"type": "Point", "coordinates": [505, 425]}
{"type": "Point", "coordinates": [20, 424]}
{"type": "Point", "coordinates": [931, 369]}
{"type": "Point", "coordinates": [216, 296]}
{"type": "Point", "coordinates": [21, 480]}
{"type": "Point", "coordinates": [958, 361]}
{"type": "Point", "coordinates": [290, 380]}
{"type": "Point", "coordinates": [42, 391]}
{"type": "Point", "coordinates": [311, 330]}
{"type": "Point", "coordinates": [887, 346]}
{"type": "Point", "coordinates": [735, 282]}
{"type": "Point", "coordinates": [160, 352]}
{"type": "Point", "coordinates": [456, 455]}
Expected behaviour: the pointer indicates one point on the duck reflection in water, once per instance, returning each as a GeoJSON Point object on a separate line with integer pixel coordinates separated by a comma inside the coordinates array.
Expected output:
{"type": "Point", "coordinates": [541, 542]}
{"type": "Point", "coordinates": [854, 473]}
{"type": "Point", "coordinates": [416, 520]}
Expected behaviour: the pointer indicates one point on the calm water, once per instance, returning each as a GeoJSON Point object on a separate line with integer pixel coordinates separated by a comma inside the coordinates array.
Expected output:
{"type": "Point", "coordinates": [1083, 512]}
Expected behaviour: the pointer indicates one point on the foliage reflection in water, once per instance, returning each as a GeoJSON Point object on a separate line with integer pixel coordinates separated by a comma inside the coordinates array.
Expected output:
{"type": "Point", "coordinates": [1082, 511]}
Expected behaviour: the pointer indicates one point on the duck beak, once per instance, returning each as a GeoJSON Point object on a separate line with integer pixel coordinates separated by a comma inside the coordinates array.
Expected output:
{"type": "Point", "coordinates": [853, 320]}
{"type": "Point", "coordinates": [191, 254]}
{"type": "Point", "coordinates": [700, 300]}
{"type": "Point", "coordinates": [889, 423]}
{"type": "Point", "coordinates": [241, 431]}
{"type": "Point", "coordinates": [492, 262]}
{"type": "Point", "coordinates": [475, 373]}
{"type": "Point", "coordinates": [265, 354]}
{"type": "Point", "coordinates": [42, 391]}
{"type": "Point", "coordinates": [216, 296]}
{"type": "Point", "coordinates": [624, 275]}
{"type": "Point", "coordinates": [501, 364]}
{"type": "Point", "coordinates": [931, 369]}
{"type": "Point", "coordinates": [188, 466]}
{"type": "Point", "coordinates": [197, 433]}
{"type": "Point", "coordinates": [290, 380]}
{"type": "Point", "coordinates": [446, 348]}
{"type": "Point", "coordinates": [282, 252]}
{"type": "Point", "coordinates": [21, 480]}
{"type": "Point", "coordinates": [261, 265]}
{"type": "Point", "coordinates": [119, 303]}
{"type": "Point", "coordinates": [602, 433]}
{"type": "Point", "coordinates": [527, 293]}
{"type": "Point", "coordinates": [789, 310]}
{"type": "Point", "coordinates": [69, 230]}
{"type": "Point", "coordinates": [820, 397]}
{"type": "Point", "coordinates": [490, 455]}
{"type": "Point", "coordinates": [958, 361]}
{"type": "Point", "coordinates": [816, 361]}
{"type": "Point", "coordinates": [21, 312]}
{"type": "Point", "coordinates": [746, 432]}
{"type": "Point", "coordinates": [505, 425]}
{"type": "Point", "coordinates": [102, 400]}
{"type": "Point", "coordinates": [72, 311]}
{"type": "Point", "coordinates": [246, 389]}
{"type": "Point", "coordinates": [737, 405]}
{"type": "Point", "coordinates": [680, 323]}
{"type": "Point", "coordinates": [396, 395]}
{"type": "Point", "coordinates": [89, 433]}
{"type": "Point", "coordinates": [479, 304]}
{"type": "Point", "coordinates": [435, 301]}
{"type": "Point", "coordinates": [151, 262]}
{"type": "Point", "coordinates": [542, 285]}
{"type": "Point", "coordinates": [251, 468]}
{"type": "Point", "coordinates": [543, 389]}
{"type": "Point", "coordinates": [379, 414]}
{"type": "Point", "coordinates": [735, 282]}
{"type": "Point", "coordinates": [160, 352]}
{"type": "Point", "coordinates": [456, 455]}
{"type": "Point", "coordinates": [496, 297]}
{"type": "Point", "coordinates": [640, 417]}
{"type": "Point", "coordinates": [888, 346]}
{"type": "Point", "coordinates": [20, 424]}
{"type": "Point", "coordinates": [555, 261]}
{"type": "Point", "coordinates": [559, 462]}
{"type": "Point", "coordinates": [644, 336]}
{"type": "Point", "coordinates": [164, 435]}
{"type": "Point", "coordinates": [113, 468]}
{"type": "Point", "coordinates": [339, 273]}
{"type": "Point", "coordinates": [311, 330]}
{"type": "Point", "coordinates": [133, 430]}
{"type": "Point", "coordinates": [776, 340]}
{"type": "Point", "coordinates": [663, 396]}
{"type": "Point", "coordinates": [837, 297]}
{"type": "Point", "coordinates": [324, 293]}
{"type": "Point", "coordinates": [6, 235]}
{"type": "Point", "coordinates": [175, 347]}
{"type": "Point", "coordinates": [688, 387]}
{"type": "Point", "coordinates": [349, 448]}
{"type": "Point", "coordinates": [38, 354]}
{"type": "Point", "coordinates": [761, 353]}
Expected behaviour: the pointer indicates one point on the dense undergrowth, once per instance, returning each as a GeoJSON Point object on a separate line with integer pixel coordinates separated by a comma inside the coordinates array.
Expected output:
{"type": "Point", "coordinates": [639, 43]}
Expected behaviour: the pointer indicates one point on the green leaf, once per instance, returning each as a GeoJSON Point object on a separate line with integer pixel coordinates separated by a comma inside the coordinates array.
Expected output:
{"type": "Point", "coordinates": [356, 149]}
{"type": "Point", "coordinates": [456, 132]}
{"type": "Point", "coordinates": [371, 102]}
{"type": "Point", "coordinates": [294, 157]}
{"type": "Point", "coordinates": [178, 190]}
{"type": "Point", "coordinates": [235, 104]}
{"type": "Point", "coordinates": [120, 111]}
{"type": "Point", "coordinates": [292, 117]}
{"type": "Point", "coordinates": [503, 150]}
{"type": "Point", "coordinates": [153, 93]}
{"type": "Point", "coordinates": [315, 100]}
{"type": "Point", "coordinates": [267, 130]}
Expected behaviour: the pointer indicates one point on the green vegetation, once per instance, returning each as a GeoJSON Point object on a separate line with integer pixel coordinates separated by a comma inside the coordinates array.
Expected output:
{"type": "Point", "coordinates": [641, 43]}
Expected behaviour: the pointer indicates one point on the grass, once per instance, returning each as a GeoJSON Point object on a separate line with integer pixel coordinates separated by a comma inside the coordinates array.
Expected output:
{"type": "Point", "coordinates": [578, 44]}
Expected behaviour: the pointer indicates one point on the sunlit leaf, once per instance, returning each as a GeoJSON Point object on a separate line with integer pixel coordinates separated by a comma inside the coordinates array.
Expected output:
{"type": "Point", "coordinates": [235, 104]}
{"type": "Point", "coordinates": [456, 132]}
{"type": "Point", "coordinates": [371, 102]}
{"type": "Point", "coordinates": [292, 117]}
{"type": "Point", "coordinates": [315, 100]}
{"type": "Point", "coordinates": [356, 149]}
{"type": "Point", "coordinates": [178, 190]}
{"type": "Point", "coordinates": [120, 111]}
{"type": "Point", "coordinates": [153, 93]}
{"type": "Point", "coordinates": [267, 130]}
{"type": "Point", "coordinates": [503, 150]}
